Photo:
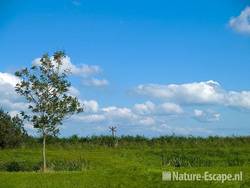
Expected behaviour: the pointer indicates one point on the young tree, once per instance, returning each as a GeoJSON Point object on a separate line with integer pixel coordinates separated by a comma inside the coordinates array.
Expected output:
{"type": "Point", "coordinates": [45, 86]}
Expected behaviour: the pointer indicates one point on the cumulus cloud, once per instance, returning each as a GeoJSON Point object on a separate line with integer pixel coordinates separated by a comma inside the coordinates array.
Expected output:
{"type": "Point", "coordinates": [241, 23]}
{"type": "Point", "coordinates": [170, 108]}
{"type": "Point", "coordinates": [149, 115]}
{"type": "Point", "coordinates": [140, 114]}
{"type": "Point", "coordinates": [80, 70]}
{"type": "Point", "coordinates": [90, 118]}
{"type": "Point", "coordinates": [127, 116]}
{"type": "Point", "coordinates": [9, 100]}
{"type": "Point", "coordinates": [14, 103]}
{"type": "Point", "coordinates": [96, 82]}
{"type": "Point", "coordinates": [116, 113]}
{"type": "Point", "coordinates": [209, 92]}
{"type": "Point", "coordinates": [8, 79]}
{"type": "Point", "coordinates": [206, 116]}
{"type": "Point", "coordinates": [238, 99]}
{"type": "Point", "coordinates": [85, 71]}
{"type": "Point", "coordinates": [149, 107]}
{"type": "Point", "coordinates": [90, 106]}
{"type": "Point", "coordinates": [197, 92]}
{"type": "Point", "coordinates": [147, 121]}
{"type": "Point", "coordinates": [113, 114]}
{"type": "Point", "coordinates": [145, 108]}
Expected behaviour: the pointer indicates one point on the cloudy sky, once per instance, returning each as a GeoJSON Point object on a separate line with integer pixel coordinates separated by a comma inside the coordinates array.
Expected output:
{"type": "Point", "coordinates": [148, 67]}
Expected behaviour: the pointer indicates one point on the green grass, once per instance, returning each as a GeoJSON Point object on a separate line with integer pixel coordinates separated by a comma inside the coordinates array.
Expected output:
{"type": "Point", "coordinates": [136, 164]}
{"type": "Point", "coordinates": [114, 178]}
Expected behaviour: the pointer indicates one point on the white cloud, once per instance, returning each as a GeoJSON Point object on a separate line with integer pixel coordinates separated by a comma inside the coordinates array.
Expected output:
{"type": "Point", "coordinates": [114, 113]}
{"type": "Point", "coordinates": [197, 92]}
{"type": "Point", "coordinates": [170, 108]}
{"type": "Point", "coordinates": [209, 92]}
{"type": "Point", "coordinates": [147, 121]}
{"type": "Point", "coordinates": [128, 116]}
{"type": "Point", "coordinates": [90, 106]}
{"type": "Point", "coordinates": [9, 100]}
{"type": "Point", "coordinates": [149, 108]}
{"type": "Point", "coordinates": [241, 23]}
{"type": "Point", "coordinates": [14, 103]}
{"type": "Point", "coordinates": [148, 114]}
{"type": "Point", "coordinates": [141, 114]}
{"type": "Point", "coordinates": [14, 106]}
{"type": "Point", "coordinates": [145, 108]}
{"type": "Point", "coordinates": [105, 115]}
{"type": "Point", "coordinates": [90, 118]}
{"type": "Point", "coordinates": [80, 70]}
{"type": "Point", "coordinates": [85, 71]}
{"type": "Point", "coordinates": [96, 82]}
{"type": "Point", "coordinates": [8, 79]}
{"type": "Point", "coordinates": [238, 99]}
{"type": "Point", "coordinates": [206, 116]}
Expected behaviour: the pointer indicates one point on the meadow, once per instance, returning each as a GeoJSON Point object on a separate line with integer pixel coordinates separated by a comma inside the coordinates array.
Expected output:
{"type": "Point", "coordinates": [133, 162]}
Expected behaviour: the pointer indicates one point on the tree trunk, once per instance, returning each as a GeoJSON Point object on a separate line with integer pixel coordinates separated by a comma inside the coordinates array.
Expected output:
{"type": "Point", "coordinates": [44, 153]}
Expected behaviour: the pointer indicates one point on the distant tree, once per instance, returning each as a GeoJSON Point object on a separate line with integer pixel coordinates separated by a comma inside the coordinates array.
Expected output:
{"type": "Point", "coordinates": [113, 130]}
{"type": "Point", "coordinates": [12, 132]}
{"type": "Point", "coordinates": [45, 86]}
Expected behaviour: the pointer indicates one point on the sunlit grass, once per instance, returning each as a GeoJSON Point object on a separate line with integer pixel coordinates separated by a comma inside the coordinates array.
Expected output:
{"type": "Point", "coordinates": [130, 164]}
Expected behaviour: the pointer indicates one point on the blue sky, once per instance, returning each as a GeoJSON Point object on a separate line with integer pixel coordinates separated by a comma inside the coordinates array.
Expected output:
{"type": "Point", "coordinates": [151, 44]}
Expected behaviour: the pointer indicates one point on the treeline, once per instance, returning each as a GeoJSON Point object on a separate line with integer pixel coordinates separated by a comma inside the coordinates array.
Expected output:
{"type": "Point", "coordinates": [13, 134]}
{"type": "Point", "coordinates": [135, 141]}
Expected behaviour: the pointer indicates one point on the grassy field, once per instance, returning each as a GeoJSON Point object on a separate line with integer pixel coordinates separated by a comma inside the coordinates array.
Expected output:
{"type": "Point", "coordinates": [131, 164]}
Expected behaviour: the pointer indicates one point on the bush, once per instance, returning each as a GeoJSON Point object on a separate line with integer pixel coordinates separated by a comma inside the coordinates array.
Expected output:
{"type": "Point", "coordinates": [54, 165]}
{"type": "Point", "coordinates": [14, 167]}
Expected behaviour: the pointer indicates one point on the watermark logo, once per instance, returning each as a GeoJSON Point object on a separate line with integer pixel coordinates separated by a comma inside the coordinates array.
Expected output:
{"type": "Point", "coordinates": [166, 176]}
{"type": "Point", "coordinates": [206, 176]}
